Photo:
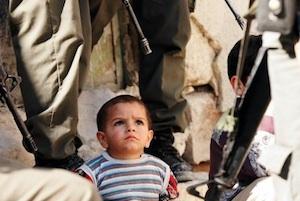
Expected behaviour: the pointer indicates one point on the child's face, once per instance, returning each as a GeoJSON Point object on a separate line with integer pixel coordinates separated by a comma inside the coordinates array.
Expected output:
{"type": "Point", "coordinates": [126, 132]}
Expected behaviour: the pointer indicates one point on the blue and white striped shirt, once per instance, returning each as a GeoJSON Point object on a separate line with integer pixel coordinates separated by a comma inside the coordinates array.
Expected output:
{"type": "Point", "coordinates": [146, 178]}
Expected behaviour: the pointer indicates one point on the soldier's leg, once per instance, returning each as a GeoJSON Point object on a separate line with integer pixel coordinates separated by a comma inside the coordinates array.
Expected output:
{"type": "Point", "coordinates": [272, 188]}
{"type": "Point", "coordinates": [284, 74]}
{"type": "Point", "coordinates": [166, 25]}
{"type": "Point", "coordinates": [285, 85]}
{"type": "Point", "coordinates": [53, 42]}
{"type": "Point", "coordinates": [17, 183]}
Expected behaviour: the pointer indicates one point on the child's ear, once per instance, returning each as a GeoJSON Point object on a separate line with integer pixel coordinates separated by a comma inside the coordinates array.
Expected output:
{"type": "Point", "coordinates": [102, 139]}
{"type": "Point", "coordinates": [240, 86]}
{"type": "Point", "coordinates": [233, 81]}
{"type": "Point", "coordinates": [149, 138]}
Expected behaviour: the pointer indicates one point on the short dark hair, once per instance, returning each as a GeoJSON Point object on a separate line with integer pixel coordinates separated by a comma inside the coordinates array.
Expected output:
{"type": "Point", "coordinates": [103, 112]}
{"type": "Point", "coordinates": [255, 42]}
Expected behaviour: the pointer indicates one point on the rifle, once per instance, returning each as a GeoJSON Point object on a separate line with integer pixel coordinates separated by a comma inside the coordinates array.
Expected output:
{"type": "Point", "coordinates": [257, 95]}
{"type": "Point", "coordinates": [242, 121]}
{"type": "Point", "coordinates": [238, 18]}
{"type": "Point", "coordinates": [144, 41]}
{"type": "Point", "coordinates": [9, 82]}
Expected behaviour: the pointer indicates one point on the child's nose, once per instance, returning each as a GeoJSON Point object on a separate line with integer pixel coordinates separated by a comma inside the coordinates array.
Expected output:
{"type": "Point", "coordinates": [130, 127]}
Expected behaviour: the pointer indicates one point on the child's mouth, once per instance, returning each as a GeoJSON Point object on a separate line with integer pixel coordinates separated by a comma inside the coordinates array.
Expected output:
{"type": "Point", "coordinates": [131, 137]}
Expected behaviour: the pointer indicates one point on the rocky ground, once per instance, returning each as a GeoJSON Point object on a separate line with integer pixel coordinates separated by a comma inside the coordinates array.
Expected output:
{"type": "Point", "coordinates": [10, 140]}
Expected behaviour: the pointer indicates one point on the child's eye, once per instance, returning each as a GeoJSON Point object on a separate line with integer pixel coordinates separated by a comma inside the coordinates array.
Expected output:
{"type": "Point", "coordinates": [139, 122]}
{"type": "Point", "coordinates": [118, 123]}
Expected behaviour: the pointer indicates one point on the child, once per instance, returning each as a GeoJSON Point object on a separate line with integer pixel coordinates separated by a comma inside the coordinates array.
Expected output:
{"type": "Point", "coordinates": [123, 171]}
{"type": "Point", "coordinates": [251, 169]}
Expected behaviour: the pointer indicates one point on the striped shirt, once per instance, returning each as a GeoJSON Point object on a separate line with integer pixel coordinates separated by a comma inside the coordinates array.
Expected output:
{"type": "Point", "coordinates": [146, 178]}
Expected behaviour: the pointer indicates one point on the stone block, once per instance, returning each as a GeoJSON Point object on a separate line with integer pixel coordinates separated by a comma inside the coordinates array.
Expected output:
{"type": "Point", "coordinates": [205, 114]}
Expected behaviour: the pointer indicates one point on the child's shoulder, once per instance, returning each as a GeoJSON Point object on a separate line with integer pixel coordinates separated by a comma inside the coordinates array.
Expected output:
{"type": "Point", "coordinates": [96, 160]}
{"type": "Point", "coordinates": [156, 161]}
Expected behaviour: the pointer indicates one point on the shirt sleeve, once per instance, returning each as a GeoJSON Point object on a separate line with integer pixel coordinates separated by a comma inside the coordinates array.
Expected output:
{"type": "Point", "coordinates": [172, 187]}
{"type": "Point", "coordinates": [84, 174]}
{"type": "Point", "coordinates": [171, 191]}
